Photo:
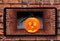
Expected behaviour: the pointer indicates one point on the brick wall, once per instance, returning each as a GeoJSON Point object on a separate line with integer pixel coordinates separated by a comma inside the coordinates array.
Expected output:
{"type": "Point", "coordinates": [33, 3]}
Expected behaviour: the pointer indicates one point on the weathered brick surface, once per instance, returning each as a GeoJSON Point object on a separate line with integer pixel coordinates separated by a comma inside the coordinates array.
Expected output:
{"type": "Point", "coordinates": [20, 1]}
{"type": "Point", "coordinates": [2, 6]}
{"type": "Point", "coordinates": [12, 39]}
{"type": "Point", "coordinates": [29, 1]}
{"type": "Point", "coordinates": [46, 1]}
{"type": "Point", "coordinates": [0, 1]}
{"type": "Point", "coordinates": [46, 38]}
{"type": "Point", "coordinates": [1, 19]}
{"type": "Point", "coordinates": [43, 40]}
{"type": "Point", "coordinates": [20, 38]}
{"type": "Point", "coordinates": [4, 3]}
{"type": "Point", "coordinates": [10, 1]}
{"type": "Point", "coordinates": [58, 25]}
{"type": "Point", "coordinates": [1, 11]}
{"type": "Point", "coordinates": [1, 25]}
{"type": "Point", "coordinates": [13, 1]}
{"type": "Point", "coordinates": [1, 32]}
{"type": "Point", "coordinates": [16, 5]}
{"type": "Point", "coordinates": [34, 6]}
{"type": "Point", "coordinates": [58, 37]}
{"type": "Point", "coordinates": [56, 40]}
{"type": "Point", "coordinates": [30, 38]}
{"type": "Point", "coordinates": [11, 17]}
{"type": "Point", "coordinates": [38, 2]}
{"type": "Point", "coordinates": [57, 6]}
{"type": "Point", "coordinates": [46, 5]}
{"type": "Point", "coordinates": [57, 2]}
{"type": "Point", "coordinates": [25, 6]}
{"type": "Point", "coordinates": [58, 13]}
{"type": "Point", "coordinates": [32, 2]}
{"type": "Point", "coordinates": [1, 15]}
{"type": "Point", "coordinates": [1, 40]}
{"type": "Point", "coordinates": [52, 1]}
{"type": "Point", "coordinates": [58, 31]}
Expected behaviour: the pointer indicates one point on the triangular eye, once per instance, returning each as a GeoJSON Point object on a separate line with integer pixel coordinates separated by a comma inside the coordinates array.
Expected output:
{"type": "Point", "coordinates": [29, 23]}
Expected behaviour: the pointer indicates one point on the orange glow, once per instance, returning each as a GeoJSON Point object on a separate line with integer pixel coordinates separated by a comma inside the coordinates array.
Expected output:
{"type": "Point", "coordinates": [32, 25]}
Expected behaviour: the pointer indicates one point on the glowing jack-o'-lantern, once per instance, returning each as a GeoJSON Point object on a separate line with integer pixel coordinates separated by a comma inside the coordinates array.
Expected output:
{"type": "Point", "coordinates": [32, 25]}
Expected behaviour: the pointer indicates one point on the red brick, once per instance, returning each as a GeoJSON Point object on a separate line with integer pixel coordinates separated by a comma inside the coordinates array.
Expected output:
{"type": "Point", "coordinates": [6, 5]}
{"type": "Point", "coordinates": [1, 39]}
{"type": "Point", "coordinates": [0, 1]}
{"type": "Point", "coordinates": [58, 25]}
{"type": "Point", "coordinates": [1, 25]}
{"type": "Point", "coordinates": [38, 2]}
{"type": "Point", "coordinates": [58, 37]}
{"type": "Point", "coordinates": [1, 19]}
{"type": "Point", "coordinates": [51, 1]}
{"type": "Point", "coordinates": [51, 38]}
{"type": "Point", "coordinates": [57, 2]}
{"type": "Point", "coordinates": [32, 2]}
{"type": "Point", "coordinates": [10, 1]}
{"type": "Point", "coordinates": [16, 5]}
{"type": "Point", "coordinates": [13, 1]}
{"type": "Point", "coordinates": [46, 5]}
{"type": "Point", "coordinates": [5, 1]}
{"type": "Point", "coordinates": [58, 13]}
{"type": "Point", "coordinates": [58, 19]}
{"type": "Point", "coordinates": [41, 38]}
{"type": "Point", "coordinates": [29, 38]}
{"type": "Point", "coordinates": [24, 6]}
{"type": "Point", "coordinates": [57, 6]}
{"type": "Point", "coordinates": [2, 6]}
{"type": "Point", "coordinates": [46, 2]}
{"type": "Point", "coordinates": [1, 11]}
{"type": "Point", "coordinates": [58, 31]}
{"type": "Point", "coordinates": [29, 1]}
{"type": "Point", "coordinates": [26, 38]}
{"type": "Point", "coordinates": [20, 1]}
{"type": "Point", "coordinates": [12, 39]}
{"type": "Point", "coordinates": [1, 32]}
{"type": "Point", "coordinates": [56, 40]}
{"type": "Point", "coordinates": [34, 6]}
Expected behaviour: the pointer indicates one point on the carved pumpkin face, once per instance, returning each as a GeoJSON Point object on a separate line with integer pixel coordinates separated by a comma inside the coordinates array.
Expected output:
{"type": "Point", "coordinates": [32, 25]}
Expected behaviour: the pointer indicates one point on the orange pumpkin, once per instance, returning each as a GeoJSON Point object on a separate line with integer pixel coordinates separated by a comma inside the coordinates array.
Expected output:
{"type": "Point", "coordinates": [32, 25]}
